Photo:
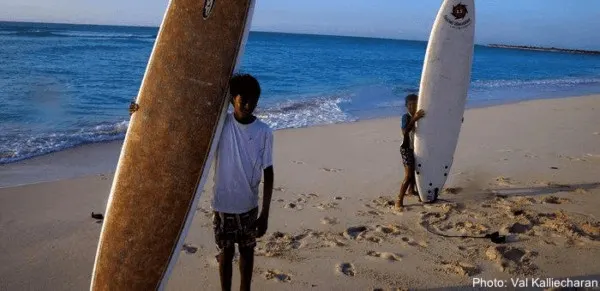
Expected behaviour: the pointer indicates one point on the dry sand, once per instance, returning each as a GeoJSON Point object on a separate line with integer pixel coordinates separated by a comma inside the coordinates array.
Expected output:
{"type": "Point", "coordinates": [529, 170]}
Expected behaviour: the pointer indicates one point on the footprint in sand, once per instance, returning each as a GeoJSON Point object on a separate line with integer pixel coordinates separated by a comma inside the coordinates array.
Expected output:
{"type": "Point", "coordinates": [354, 232]}
{"type": "Point", "coordinates": [374, 239]}
{"type": "Point", "coordinates": [504, 181]}
{"type": "Point", "coordinates": [413, 243]}
{"type": "Point", "coordinates": [331, 170]}
{"type": "Point", "coordinates": [309, 196]}
{"type": "Point", "coordinates": [385, 255]}
{"type": "Point", "coordinates": [390, 229]}
{"type": "Point", "coordinates": [327, 205]}
{"type": "Point", "coordinates": [346, 269]}
{"type": "Point", "coordinates": [460, 268]}
{"type": "Point", "coordinates": [330, 220]}
{"type": "Point", "coordinates": [293, 206]}
{"type": "Point", "coordinates": [430, 218]}
{"type": "Point", "coordinates": [298, 162]}
{"type": "Point", "coordinates": [466, 227]}
{"type": "Point", "coordinates": [361, 233]}
{"type": "Point", "coordinates": [519, 228]}
{"type": "Point", "coordinates": [332, 241]}
{"type": "Point", "coordinates": [525, 201]}
{"type": "Point", "coordinates": [512, 260]}
{"type": "Point", "coordinates": [569, 226]}
{"type": "Point", "coordinates": [277, 275]}
{"type": "Point", "coordinates": [189, 249]}
{"type": "Point", "coordinates": [382, 202]}
{"type": "Point", "coordinates": [207, 213]}
{"type": "Point", "coordinates": [555, 200]}
{"type": "Point", "coordinates": [279, 244]}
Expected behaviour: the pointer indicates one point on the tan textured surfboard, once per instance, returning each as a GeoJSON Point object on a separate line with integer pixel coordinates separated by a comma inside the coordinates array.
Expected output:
{"type": "Point", "coordinates": [170, 141]}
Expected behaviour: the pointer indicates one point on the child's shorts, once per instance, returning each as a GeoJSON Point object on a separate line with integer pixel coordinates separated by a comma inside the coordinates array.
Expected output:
{"type": "Point", "coordinates": [408, 156]}
{"type": "Point", "coordinates": [230, 229]}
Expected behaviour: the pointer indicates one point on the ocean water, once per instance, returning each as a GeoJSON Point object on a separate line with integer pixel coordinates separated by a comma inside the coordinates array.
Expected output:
{"type": "Point", "coordinates": [62, 86]}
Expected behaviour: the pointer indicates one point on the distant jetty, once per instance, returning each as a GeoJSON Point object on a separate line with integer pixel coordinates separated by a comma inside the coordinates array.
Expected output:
{"type": "Point", "coordinates": [545, 49]}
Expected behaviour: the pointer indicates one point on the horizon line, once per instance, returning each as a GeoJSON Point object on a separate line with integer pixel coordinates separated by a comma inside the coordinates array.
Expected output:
{"type": "Point", "coordinates": [490, 44]}
{"type": "Point", "coordinates": [252, 30]}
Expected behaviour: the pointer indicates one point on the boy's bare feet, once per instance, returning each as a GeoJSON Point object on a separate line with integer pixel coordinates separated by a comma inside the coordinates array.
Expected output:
{"type": "Point", "coordinates": [398, 206]}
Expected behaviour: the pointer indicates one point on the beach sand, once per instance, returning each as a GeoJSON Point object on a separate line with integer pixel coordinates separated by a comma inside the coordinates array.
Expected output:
{"type": "Point", "coordinates": [530, 170]}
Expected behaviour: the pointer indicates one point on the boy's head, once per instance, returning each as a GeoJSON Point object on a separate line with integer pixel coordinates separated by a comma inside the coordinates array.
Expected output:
{"type": "Point", "coordinates": [245, 92]}
{"type": "Point", "coordinates": [411, 103]}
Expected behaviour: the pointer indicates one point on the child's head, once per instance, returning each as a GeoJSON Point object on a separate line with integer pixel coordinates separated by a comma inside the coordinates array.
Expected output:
{"type": "Point", "coordinates": [245, 92]}
{"type": "Point", "coordinates": [411, 103]}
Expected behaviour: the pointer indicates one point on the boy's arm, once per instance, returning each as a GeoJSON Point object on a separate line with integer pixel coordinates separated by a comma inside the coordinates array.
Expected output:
{"type": "Point", "coordinates": [267, 191]}
{"type": "Point", "coordinates": [269, 177]}
{"type": "Point", "coordinates": [411, 125]}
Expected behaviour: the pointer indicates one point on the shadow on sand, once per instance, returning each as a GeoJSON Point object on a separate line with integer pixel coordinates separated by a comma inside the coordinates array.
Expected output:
{"type": "Point", "coordinates": [543, 190]}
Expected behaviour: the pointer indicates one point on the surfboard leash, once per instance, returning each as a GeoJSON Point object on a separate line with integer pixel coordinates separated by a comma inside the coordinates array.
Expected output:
{"type": "Point", "coordinates": [494, 237]}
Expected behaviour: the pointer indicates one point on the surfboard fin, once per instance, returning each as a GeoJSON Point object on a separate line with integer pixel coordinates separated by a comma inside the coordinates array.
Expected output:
{"type": "Point", "coordinates": [97, 216]}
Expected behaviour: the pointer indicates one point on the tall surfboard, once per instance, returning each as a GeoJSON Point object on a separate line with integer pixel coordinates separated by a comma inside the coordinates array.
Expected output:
{"type": "Point", "coordinates": [443, 93]}
{"type": "Point", "coordinates": [169, 145]}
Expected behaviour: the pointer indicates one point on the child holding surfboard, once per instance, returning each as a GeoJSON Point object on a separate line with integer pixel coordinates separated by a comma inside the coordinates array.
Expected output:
{"type": "Point", "coordinates": [409, 120]}
{"type": "Point", "coordinates": [244, 155]}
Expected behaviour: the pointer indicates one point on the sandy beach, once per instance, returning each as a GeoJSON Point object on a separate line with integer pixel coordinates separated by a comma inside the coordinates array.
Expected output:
{"type": "Point", "coordinates": [530, 170]}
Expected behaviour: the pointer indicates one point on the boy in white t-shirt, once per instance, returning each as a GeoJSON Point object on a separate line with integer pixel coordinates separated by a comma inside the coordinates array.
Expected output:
{"type": "Point", "coordinates": [244, 155]}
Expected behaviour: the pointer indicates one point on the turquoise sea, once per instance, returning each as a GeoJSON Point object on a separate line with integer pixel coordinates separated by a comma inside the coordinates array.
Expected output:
{"type": "Point", "coordinates": [62, 86]}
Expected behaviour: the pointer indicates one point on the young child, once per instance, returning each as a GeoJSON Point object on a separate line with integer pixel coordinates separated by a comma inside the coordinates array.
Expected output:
{"type": "Point", "coordinates": [243, 156]}
{"type": "Point", "coordinates": [409, 120]}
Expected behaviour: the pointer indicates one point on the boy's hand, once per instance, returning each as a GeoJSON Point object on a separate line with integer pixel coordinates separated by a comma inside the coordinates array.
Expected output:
{"type": "Point", "coordinates": [133, 107]}
{"type": "Point", "coordinates": [262, 223]}
{"type": "Point", "coordinates": [419, 114]}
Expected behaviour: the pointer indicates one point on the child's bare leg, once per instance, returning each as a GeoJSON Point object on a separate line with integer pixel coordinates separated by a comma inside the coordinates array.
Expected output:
{"type": "Point", "coordinates": [404, 187]}
{"type": "Point", "coordinates": [246, 267]}
{"type": "Point", "coordinates": [225, 267]}
{"type": "Point", "coordinates": [411, 186]}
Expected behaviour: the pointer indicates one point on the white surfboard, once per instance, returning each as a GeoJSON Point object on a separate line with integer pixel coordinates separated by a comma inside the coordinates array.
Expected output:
{"type": "Point", "coordinates": [442, 94]}
{"type": "Point", "coordinates": [168, 148]}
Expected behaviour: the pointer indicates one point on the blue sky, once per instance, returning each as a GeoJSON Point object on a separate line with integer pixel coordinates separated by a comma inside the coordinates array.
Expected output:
{"type": "Point", "coordinates": [564, 23]}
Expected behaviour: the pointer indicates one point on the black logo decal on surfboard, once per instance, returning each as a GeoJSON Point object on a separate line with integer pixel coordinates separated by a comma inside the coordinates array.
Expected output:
{"type": "Point", "coordinates": [460, 13]}
{"type": "Point", "coordinates": [208, 7]}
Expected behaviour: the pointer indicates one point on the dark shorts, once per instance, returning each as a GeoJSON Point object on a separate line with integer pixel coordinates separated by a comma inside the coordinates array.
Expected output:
{"type": "Point", "coordinates": [408, 156]}
{"type": "Point", "coordinates": [231, 229]}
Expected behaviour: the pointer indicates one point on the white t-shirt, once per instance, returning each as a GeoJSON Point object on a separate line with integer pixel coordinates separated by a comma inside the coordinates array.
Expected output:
{"type": "Point", "coordinates": [244, 151]}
